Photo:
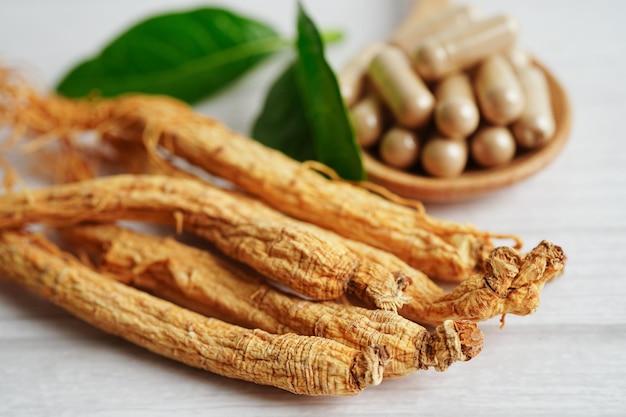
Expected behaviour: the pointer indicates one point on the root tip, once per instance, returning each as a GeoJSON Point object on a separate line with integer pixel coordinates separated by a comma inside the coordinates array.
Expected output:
{"type": "Point", "coordinates": [369, 365]}
{"type": "Point", "coordinates": [451, 342]}
{"type": "Point", "coordinates": [470, 338]}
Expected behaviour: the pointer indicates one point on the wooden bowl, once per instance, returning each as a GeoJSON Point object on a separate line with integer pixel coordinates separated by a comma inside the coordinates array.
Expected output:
{"type": "Point", "coordinates": [474, 183]}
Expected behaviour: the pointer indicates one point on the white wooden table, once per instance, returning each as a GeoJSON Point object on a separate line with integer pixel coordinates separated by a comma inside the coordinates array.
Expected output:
{"type": "Point", "coordinates": [567, 359]}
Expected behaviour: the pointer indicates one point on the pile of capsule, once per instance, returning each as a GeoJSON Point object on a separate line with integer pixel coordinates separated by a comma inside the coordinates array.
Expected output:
{"type": "Point", "coordinates": [448, 94]}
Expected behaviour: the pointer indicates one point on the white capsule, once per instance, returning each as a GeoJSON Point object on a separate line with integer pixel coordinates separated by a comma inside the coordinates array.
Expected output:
{"type": "Point", "coordinates": [518, 57]}
{"type": "Point", "coordinates": [492, 146]}
{"type": "Point", "coordinates": [400, 88]}
{"type": "Point", "coordinates": [367, 118]}
{"type": "Point", "coordinates": [443, 157]}
{"type": "Point", "coordinates": [399, 148]}
{"type": "Point", "coordinates": [536, 126]}
{"type": "Point", "coordinates": [499, 91]}
{"type": "Point", "coordinates": [454, 50]}
{"type": "Point", "coordinates": [351, 76]}
{"type": "Point", "coordinates": [456, 111]}
{"type": "Point", "coordinates": [413, 32]}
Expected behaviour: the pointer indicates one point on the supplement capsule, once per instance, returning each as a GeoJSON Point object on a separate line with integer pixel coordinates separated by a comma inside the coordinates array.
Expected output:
{"type": "Point", "coordinates": [411, 33]}
{"type": "Point", "coordinates": [536, 126]}
{"type": "Point", "coordinates": [351, 76]}
{"type": "Point", "coordinates": [367, 117]}
{"type": "Point", "coordinates": [400, 88]}
{"type": "Point", "coordinates": [498, 90]}
{"type": "Point", "coordinates": [492, 146]}
{"type": "Point", "coordinates": [518, 57]}
{"type": "Point", "coordinates": [456, 112]}
{"type": "Point", "coordinates": [399, 148]}
{"type": "Point", "coordinates": [459, 48]}
{"type": "Point", "coordinates": [443, 157]}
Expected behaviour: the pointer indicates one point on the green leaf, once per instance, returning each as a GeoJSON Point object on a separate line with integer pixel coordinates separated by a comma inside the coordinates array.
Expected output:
{"type": "Point", "coordinates": [334, 138]}
{"type": "Point", "coordinates": [304, 114]}
{"type": "Point", "coordinates": [188, 55]}
{"type": "Point", "coordinates": [331, 36]}
{"type": "Point", "coordinates": [282, 123]}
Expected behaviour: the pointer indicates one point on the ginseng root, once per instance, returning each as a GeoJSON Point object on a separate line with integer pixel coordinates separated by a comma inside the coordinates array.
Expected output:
{"type": "Point", "coordinates": [216, 287]}
{"type": "Point", "coordinates": [473, 300]}
{"type": "Point", "coordinates": [300, 364]}
{"type": "Point", "coordinates": [511, 284]}
{"type": "Point", "coordinates": [280, 248]}
{"type": "Point", "coordinates": [441, 249]}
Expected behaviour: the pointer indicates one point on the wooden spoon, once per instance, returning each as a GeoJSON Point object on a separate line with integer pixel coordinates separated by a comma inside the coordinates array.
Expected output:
{"type": "Point", "coordinates": [472, 183]}
{"type": "Point", "coordinates": [477, 182]}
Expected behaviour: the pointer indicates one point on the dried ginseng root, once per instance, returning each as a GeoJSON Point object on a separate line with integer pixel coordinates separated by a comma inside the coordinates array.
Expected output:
{"type": "Point", "coordinates": [280, 248]}
{"type": "Point", "coordinates": [213, 286]}
{"type": "Point", "coordinates": [441, 249]}
{"type": "Point", "coordinates": [476, 299]}
{"type": "Point", "coordinates": [480, 297]}
{"type": "Point", "coordinates": [300, 364]}
{"type": "Point", "coordinates": [511, 284]}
